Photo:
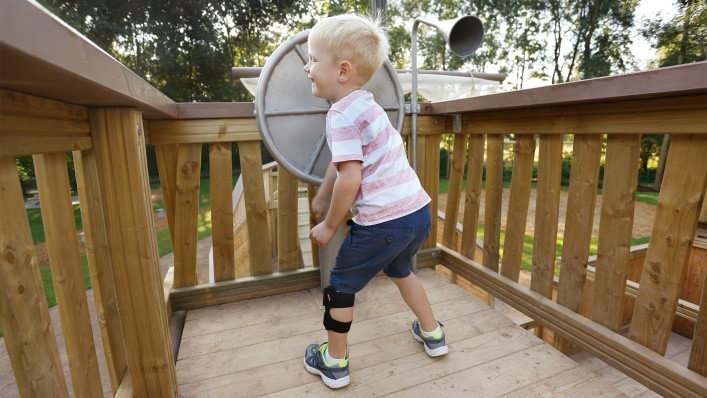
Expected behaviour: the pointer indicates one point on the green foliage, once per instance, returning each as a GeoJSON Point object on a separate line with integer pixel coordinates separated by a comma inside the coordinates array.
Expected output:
{"type": "Point", "coordinates": [684, 38]}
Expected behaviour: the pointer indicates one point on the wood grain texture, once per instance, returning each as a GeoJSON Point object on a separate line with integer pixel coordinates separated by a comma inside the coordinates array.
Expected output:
{"type": "Point", "coordinates": [698, 354]}
{"type": "Point", "coordinates": [202, 131]}
{"type": "Point", "coordinates": [472, 196]}
{"type": "Point", "coordinates": [67, 277]}
{"type": "Point", "coordinates": [256, 211]}
{"type": "Point", "coordinates": [523, 157]}
{"type": "Point", "coordinates": [492, 207]}
{"type": "Point", "coordinates": [428, 171]}
{"type": "Point", "coordinates": [167, 167]}
{"type": "Point", "coordinates": [616, 223]}
{"type": "Point", "coordinates": [186, 213]}
{"type": "Point", "coordinates": [674, 228]}
{"type": "Point", "coordinates": [24, 316]}
{"type": "Point", "coordinates": [220, 178]}
{"type": "Point", "coordinates": [455, 189]}
{"type": "Point", "coordinates": [289, 255]}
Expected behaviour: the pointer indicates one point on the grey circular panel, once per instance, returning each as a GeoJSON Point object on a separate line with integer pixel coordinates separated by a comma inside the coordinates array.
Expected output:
{"type": "Point", "coordinates": [292, 120]}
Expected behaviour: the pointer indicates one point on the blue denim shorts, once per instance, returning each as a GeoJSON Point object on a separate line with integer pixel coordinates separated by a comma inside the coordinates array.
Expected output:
{"type": "Point", "coordinates": [388, 247]}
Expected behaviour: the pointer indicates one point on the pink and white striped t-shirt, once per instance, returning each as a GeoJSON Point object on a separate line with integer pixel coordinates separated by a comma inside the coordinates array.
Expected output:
{"type": "Point", "coordinates": [357, 128]}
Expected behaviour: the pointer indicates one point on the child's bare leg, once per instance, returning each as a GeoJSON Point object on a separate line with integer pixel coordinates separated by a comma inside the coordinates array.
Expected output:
{"type": "Point", "coordinates": [337, 341]}
{"type": "Point", "coordinates": [415, 297]}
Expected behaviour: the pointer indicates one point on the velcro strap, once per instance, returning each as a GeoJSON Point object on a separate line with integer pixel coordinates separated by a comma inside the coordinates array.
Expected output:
{"type": "Point", "coordinates": [334, 325]}
{"type": "Point", "coordinates": [333, 298]}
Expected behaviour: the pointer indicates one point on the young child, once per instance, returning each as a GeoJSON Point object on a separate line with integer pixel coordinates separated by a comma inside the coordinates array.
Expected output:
{"type": "Point", "coordinates": [370, 175]}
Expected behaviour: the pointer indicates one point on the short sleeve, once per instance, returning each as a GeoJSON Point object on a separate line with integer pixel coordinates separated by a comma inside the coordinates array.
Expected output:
{"type": "Point", "coordinates": [345, 138]}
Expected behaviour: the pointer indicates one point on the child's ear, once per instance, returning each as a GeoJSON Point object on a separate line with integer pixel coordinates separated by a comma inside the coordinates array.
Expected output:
{"type": "Point", "coordinates": [345, 71]}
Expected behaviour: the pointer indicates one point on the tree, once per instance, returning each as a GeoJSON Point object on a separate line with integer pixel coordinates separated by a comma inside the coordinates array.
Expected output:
{"type": "Point", "coordinates": [683, 39]}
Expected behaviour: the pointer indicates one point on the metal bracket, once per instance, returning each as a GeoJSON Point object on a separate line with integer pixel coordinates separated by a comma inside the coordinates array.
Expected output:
{"type": "Point", "coordinates": [408, 109]}
{"type": "Point", "coordinates": [457, 123]}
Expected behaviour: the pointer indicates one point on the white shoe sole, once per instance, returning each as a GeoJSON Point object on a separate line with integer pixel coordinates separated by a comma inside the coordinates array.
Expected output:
{"type": "Point", "coordinates": [331, 383]}
{"type": "Point", "coordinates": [433, 352]}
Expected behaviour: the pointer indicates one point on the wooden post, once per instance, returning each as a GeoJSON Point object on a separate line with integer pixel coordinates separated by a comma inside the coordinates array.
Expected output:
{"type": "Point", "coordinates": [167, 167]}
{"type": "Point", "coordinates": [547, 209]}
{"type": "Point", "coordinates": [119, 145]}
{"type": "Point", "coordinates": [221, 170]}
{"type": "Point", "coordinates": [455, 190]}
{"type": "Point", "coordinates": [99, 264]}
{"type": "Point", "coordinates": [493, 200]}
{"type": "Point", "coordinates": [186, 214]}
{"type": "Point", "coordinates": [581, 199]}
{"type": "Point", "coordinates": [428, 170]}
{"type": "Point", "coordinates": [620, 181]}
{"type": "Point", "coordinates": [24, 317]}
{"type": "Point", "coordinates": [65, 263]}
{"type": "Point", "coordinates": [289, 256]}
{"type": "Point", "coordinates": [472, 197]}
{"type": "Point", "coordinates": [698, 355]}
{"type": "Point", "coordinates": [671, 240]}
{"type": "Point", "coordinates": [523, 156]}
{"type": "Point", "coordinates": [256, 211]}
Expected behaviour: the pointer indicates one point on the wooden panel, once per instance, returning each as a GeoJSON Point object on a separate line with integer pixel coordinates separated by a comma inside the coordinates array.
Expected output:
{"type": "Point", "coordinates": [492, 207]}
{"type": "Point", "coordinates": [428, 171]}
{"type": "Point", "coordinates": [221, 171]}
{"type": "Point", "coordinates": [167, 168]}
{"type": "Point", "coordinates": [703, 213]}
{"type": "Point", "coordinates": [581, 199]}
{"type": "Point", "coordinates": [455, 189]}
{"type": "Point", "coordinates": [684, 121]}
{"type": "Point", "coordinates": [256, 212]}
{"type": "Point", "coordinates": [673, 231]}
{"type": "Point", "coordinates": [22, 135]}
{"type": "Point", "coordinates": [202, 130]}
{"type": "Point", "coordinates": [311, 191]}
{"type": "Point", "coordinates": [186, 214]}
{"type": "Point", "coordinates": [523, 156]}
{"type": "Point", "coordinates": [99, 265]}
{"type": "Point", "coordinates": [289, 256]}
{"type": "Point", "coordinates": [427, 124]}
{"type": "Point", "coordinates": [472, 196]}
{"type": "Point", "coordinates": [659, 373]}
{"type": "Point", "coordinates": [67, 277]}
{"type": "Point", "coordinates": [125, 194]}
{"type": "Point", "coordinates": [24, 317]}
{"type": "Point", "coordinates": [698, 355]}
{"type": "Point", "coordinates": [21, 104]}
{"type": "Point", "coordinates": [620, 181]}
{"type": "Point", "coordinates": [547, 205]}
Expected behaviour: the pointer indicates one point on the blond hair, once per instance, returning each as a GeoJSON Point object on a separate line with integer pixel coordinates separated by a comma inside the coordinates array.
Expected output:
{"type": "Point", "coordinates": [352, 38]}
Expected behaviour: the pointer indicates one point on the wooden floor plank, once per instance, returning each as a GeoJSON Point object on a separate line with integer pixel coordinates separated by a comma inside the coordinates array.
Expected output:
{"type": "Point", "coordinates": [572, 383]}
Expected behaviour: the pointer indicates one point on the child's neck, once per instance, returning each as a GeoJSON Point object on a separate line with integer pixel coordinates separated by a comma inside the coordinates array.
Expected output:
{"type": "Point", "coordinates": [346, 90]}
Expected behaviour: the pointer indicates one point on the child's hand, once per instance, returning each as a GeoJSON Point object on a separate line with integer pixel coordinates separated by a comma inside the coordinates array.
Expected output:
{"type": "Point", "coordinates": [319, 207]}
{"type": "Point", "coordinates": [321, 234]}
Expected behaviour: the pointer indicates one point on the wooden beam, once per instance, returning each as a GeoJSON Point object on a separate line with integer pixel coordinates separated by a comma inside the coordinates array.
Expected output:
{"type": "Point", "coordinates": [221, 172]}
{"type": "Point", "coordinates": [519, 199]}
{"type": "Point", "coordinates": [616, 225]}
{"type": "Point", "coordinates": [428, 124]}
{"type": "Point", "coordinates": [20, 104]}
{"type": "Point", "coordinates": [289, 255]}
{"type": "Point", "coordinates": [656, 372]}
{"type": "Point", "coordinates": [67, 277]}
{"type": "Point", "coordinates": [25, 135]}
{"type": "Point", "coordinates": [120, 155]}
{"type": "Point", "coordinates": [256, 211]}
{"type": "Point", "coordinates": [455, 189]}
{"type": "Point", "coordinates": [24, 316]}
{"type": "Point", "coordinates": [99, 265]}
{"type": "Point", "coordinates": [472, 197]}
{"type": "Point", "coordinates": [493, 201]}
{"type": "Point", "coordinates": [199, 131]}
{"type": "Point", "coordinates": [674, 228]}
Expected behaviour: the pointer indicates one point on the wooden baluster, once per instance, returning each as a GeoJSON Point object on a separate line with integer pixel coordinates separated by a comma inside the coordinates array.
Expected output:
{"type": "Point", "coordinates": [311, 191]}
{"type": "Point", "coordinates": [186, 214]}
{"type": "Point", "coordinates": [221, 180]}
{"type": "Point", "coordinates": [429, 134]}
{"type": "Point", "coordinates": [698, 355]}
{"type": "Point", "coordinates": [256, 211]}
{"type": "Point", "coordinates": [620, 181]}
{"type": "Point", "coordinates": [119, 147]}
{"type": "Point", "coordinates": [472, 197]}
{"type": "Point", "coordinates": [167, 167]}
{"type": "Point", "coordinates": [24, 316]}
{"type": "Point", "coordinates": [523, 156]}
{"type": "Point", "coordinates": [493, 200]}
{"type": "Point", "coordinates": [289, 256]}
{"type": "Point", "coordinates": [455, 190]}
{"type": "Point", "coordinates": [581, 199]}
{"type": "Point", "coordinates": [547, 209]}
{"type": "Point", "coordinates": [669, 250]}
{"type": "Point", "coordinates": [65, 263]}
{"type": "Point", "coordinates": [99, 265]}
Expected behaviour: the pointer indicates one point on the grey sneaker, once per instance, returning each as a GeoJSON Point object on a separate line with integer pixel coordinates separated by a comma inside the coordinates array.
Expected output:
{"type": "Point", "coordinates": [433, 347]}
{"type": "Point", "coordinates": [333, 377]}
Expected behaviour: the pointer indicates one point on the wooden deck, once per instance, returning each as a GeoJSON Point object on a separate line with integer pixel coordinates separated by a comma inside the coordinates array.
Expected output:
{"type": "Point", "coordinates": [255, 347]}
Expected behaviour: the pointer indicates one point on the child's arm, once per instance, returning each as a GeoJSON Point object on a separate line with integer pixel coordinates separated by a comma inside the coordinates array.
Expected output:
{"type": "Point", "coordinates": [321, 200]}
{"type": "Point", "coordinates": [346, 186]}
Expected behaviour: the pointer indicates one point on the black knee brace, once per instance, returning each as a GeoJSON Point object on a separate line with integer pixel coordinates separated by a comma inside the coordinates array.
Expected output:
{"type": "Point", "coordinates": [336, 299]}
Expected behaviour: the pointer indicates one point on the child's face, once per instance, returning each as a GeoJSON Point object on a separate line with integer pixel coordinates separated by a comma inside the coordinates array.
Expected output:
{"type": "Point", "coordinates": [322, 70]}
